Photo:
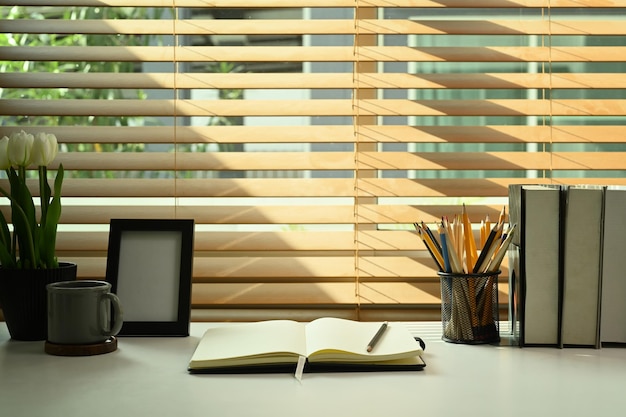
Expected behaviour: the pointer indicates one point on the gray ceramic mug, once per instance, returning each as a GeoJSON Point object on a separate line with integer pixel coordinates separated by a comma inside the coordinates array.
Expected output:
{"type": "Point", "coordinates": [79, 312]}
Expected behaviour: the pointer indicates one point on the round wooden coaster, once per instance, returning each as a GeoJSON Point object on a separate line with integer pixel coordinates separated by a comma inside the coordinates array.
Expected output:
{"type": "Point", "coordinates": [107, 346]}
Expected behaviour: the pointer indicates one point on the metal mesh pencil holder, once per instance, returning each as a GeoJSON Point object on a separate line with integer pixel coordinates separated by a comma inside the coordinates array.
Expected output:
{"type": "Point", "coordinates": [469, 307]}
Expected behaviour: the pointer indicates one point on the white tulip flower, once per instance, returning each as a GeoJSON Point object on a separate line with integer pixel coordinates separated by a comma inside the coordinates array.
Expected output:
{"type": "Point", "coordinates": [19, 149]}
{"type": "Point", "coordinates": [44, 149]}
{"type": "Point", "coordinates": [4, 156]}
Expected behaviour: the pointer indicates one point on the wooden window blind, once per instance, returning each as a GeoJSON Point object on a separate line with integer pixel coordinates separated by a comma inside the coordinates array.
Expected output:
{"type": "Point", "coordinates": [304, 137]}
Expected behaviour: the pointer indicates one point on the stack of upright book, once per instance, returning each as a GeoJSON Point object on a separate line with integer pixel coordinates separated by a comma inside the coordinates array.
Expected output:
{"type": "Point", "coordinates": [566, 275]}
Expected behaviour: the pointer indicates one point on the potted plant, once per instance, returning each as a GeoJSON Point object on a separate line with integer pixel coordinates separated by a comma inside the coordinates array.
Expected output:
{"type": "Point", "coordinates": [28, 251]}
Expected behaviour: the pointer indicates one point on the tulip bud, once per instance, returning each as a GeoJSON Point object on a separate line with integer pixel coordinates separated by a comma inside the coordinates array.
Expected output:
{"type": "Point", "coordinates": [4, 156]}
{"type": "Point", "coordinates": [20, 145]}
{"type": "Point", "coordinates": [44, 149]}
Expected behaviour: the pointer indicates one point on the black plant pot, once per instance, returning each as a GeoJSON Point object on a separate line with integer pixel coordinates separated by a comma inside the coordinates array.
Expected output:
{"type": "Point", "coordinates": [23, 298]}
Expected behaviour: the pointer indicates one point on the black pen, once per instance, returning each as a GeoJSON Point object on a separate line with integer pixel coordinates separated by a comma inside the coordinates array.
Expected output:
{"type": "Point", "coordinates": [376, 337]}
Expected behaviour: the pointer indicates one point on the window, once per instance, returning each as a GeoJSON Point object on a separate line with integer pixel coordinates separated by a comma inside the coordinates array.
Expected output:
{"type": "Point", "coordinates": [306, 137]}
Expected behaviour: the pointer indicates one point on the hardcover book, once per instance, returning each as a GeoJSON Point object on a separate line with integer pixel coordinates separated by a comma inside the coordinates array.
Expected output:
{"type": "Point", "coordinates": [582, 266]}
{"type": "Point", "coordinates": [613, 307]}
{"type": "Point", "coordinates": [535, 264]}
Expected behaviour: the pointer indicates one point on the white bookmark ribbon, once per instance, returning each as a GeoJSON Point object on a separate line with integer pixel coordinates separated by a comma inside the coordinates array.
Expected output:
{"type": "Point", "coordinates": [300, 368]}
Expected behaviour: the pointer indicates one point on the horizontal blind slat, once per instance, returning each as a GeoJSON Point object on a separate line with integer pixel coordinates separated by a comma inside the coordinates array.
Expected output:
{"type": "Point", "coordinates": [279, 215]}
{"type": "Point", "coordinates": [319, 107]}
{"type": "Point", "coordinates": [317, 26]}
{"type": "Point", "coordinates": [297, 187]}
{"type": "Point", "coordinates": [335, 134]}
{"type": "Point", "coordinates": [155, 161]}
{"type": "Point", "coordinates": [215, 243]}
{"type": "Point", "coordinates": [314, 81]}
{"type": "Point", "coordinates": [317, 54]}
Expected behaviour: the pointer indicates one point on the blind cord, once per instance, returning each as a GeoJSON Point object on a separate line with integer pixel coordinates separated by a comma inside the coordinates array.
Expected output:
{"type": "Point", "coordinates": [175, 88]}
{"type": "Point", "coordinates": [549, 121]}
{"type": "Point", "coordinates": [356, 123]}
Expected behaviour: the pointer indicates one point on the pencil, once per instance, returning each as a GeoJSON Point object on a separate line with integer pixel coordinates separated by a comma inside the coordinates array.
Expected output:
{"type": "Point", "coordinates": [430, 245]}
{"type": "Point", "coordinates": [432, 236]}
{"type": "Point", "coordinates": [376, 337]}
{"type": "Point", "coordinates": [502, 216]}
{"type": "Point", "coordinates": [455, 263]}
{"type": "Point", "coordinates": [499, 255]}
{"type": "Point", "coordinates": [486, 251]}
{"type": "Point", "coordinates": [470, 244]}
{"type": "Point", "coordinates": [444, 249]}
{"type": "Point", "coordinates": [483, 233]}
{"type": "Point", "coordinates": [490, 252]}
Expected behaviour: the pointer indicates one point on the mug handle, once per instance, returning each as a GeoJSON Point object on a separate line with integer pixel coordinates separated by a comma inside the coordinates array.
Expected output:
{"type": "Point", "coordinates": [117, 314]}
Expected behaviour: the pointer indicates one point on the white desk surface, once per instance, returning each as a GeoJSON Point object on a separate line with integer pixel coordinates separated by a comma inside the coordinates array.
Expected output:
{"type": "Point", "coordinates": [148, 377]}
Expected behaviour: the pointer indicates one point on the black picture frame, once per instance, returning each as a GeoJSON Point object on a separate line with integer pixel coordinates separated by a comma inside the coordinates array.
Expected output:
{"type": "Point", "coordinates": [149, 266]}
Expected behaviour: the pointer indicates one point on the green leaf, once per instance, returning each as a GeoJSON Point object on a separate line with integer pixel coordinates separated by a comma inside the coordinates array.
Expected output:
{"type": "Point", "coordinates": [5, 234]}
{"type": "Point", "coordinates": [58, 182]}
{"type": "Point", "coordinates": [6, 258]}
{"type": "Point", "coordinates": [44, 192]}
{"type": "Point", "coordinates": [48, 233]}
{"type": "Point", "coordinates": [23, 218]}
{"type": "Point", "coordinates": [27, 254]}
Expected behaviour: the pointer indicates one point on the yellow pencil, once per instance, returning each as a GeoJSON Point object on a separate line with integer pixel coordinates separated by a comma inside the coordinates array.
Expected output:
{"type": "Point", "coordinates": [502, 216]}
{"type": "Point", "coordinates": [483, 233]}
{"type": "Point", "coordinates": [470, 244]}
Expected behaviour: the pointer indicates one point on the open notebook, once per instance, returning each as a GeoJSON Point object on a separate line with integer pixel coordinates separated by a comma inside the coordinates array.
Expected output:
{"type": "Point", "coordinates": [328, 344]}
